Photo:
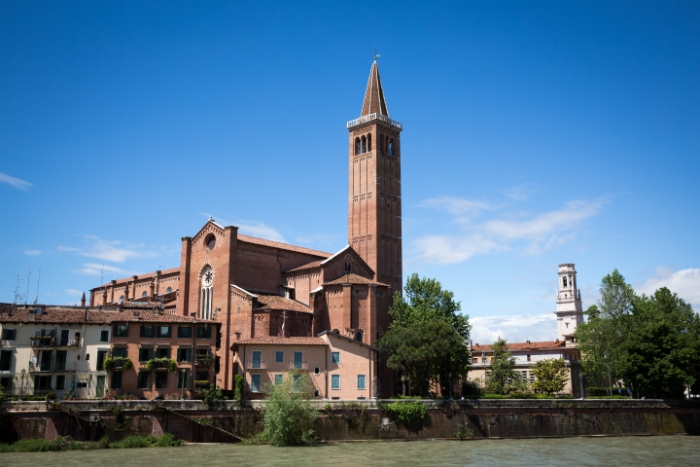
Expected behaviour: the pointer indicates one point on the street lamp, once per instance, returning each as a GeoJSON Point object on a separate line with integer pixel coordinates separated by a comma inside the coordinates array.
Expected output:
{"type": "Point", "coordinates": [21, 384]}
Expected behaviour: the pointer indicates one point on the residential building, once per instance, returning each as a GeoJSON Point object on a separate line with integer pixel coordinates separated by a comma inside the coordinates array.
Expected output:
{"type": "Point", "coordinates": [339, 367]}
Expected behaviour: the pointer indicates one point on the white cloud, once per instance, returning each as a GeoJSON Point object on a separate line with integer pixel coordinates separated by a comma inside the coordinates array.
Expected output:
{"type": "Point", "coordinates": [686, 283]}
{"type": "Point", "coordinates": [15, 182]}
{"type": "Point", "coordinates": [518, 328]}
{"type": "Point", "coordinates": [32, 252]}
{"type": "Point", "coordinates": [462, 209]}
{"type": "Point", "coordinates": [253, 228]}
{"type": "Point", "coordinates": [110, 250]}
{"type": "Point", "coordinates": [520, 192]}
{"type": "Point", "coordinates": [95, 269]}
{"type": "Point", "coordinates": [510, 232]}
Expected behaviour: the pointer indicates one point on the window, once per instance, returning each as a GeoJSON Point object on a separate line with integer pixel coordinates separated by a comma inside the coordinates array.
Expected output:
{"type": "Point", "coordinates": [183, 379]}
{"type": "Point", "coordinates": [484, 360]}
{"type": "Point", "coordinates": [42, 383]}
{"type": "Point", "coordinates": [369, 142]}
{"type": "Point", "coordinates": [119, 352]}
{"type": "Point", "coordinates": [184, 354]}
{"type": "Point", "coordinates": [296, 383]}
{"type": "Point", "coordinates": [317, 371]}
{"type": "Point", "coordinates": [357, 146]}
{"type": "Point", "coordinates": [161, 379]}
{"type": "Point", "coordinates": [279, 356]}
{"type": "Point", "coordinates": [475, 360]}
{"type": "Point", "coordinates": [116, 380]}
{"type": "Point", "coordinates": [391, 147]}
{"type": "Point", "coordinates": [184, 332]}
{"type": "Point", "coordinates": [164, 331]}
{"type": "Point", "coordinates": [335, 382]}
{"type": "Point", "coordinates": [364, 145]}
{"type": "Point", "coordinates": [144, 294]}
{"type": "Point", "coordinates": [101, 355]}
{"type": "Point", "coordinates": [564, 281]}
{"type": "Point", "coordinates": [104, 336]}
{"type": "Point", "coordinates": [163, 352]}
{"type": "Point", "coordinates": [81, 385]}
{"type": "Point", "coordinates": [202, 376]}
{"type": "Point", "coordinates": [381, 143]}
{"type": "Point", "coordinates": [6, 384]}
{"type": "Point", "coordinates": [203, 332]}
{"type": "Point", "coordinates": [120, 330]}
{"type": "Point", "coordinates": [255, 383]}
{"type": "Point", "coordinates": [279, 379]}
{"type": "Point", "coordinates": [298, 360]}
{"type": "Point", "coordinates": [210, 241]}
{"type": "Point", "coordinates": [145, 354]}
{"type": "Point", "coordinates": [60, 382]}
{"type": "Point", "coordinates": [528, 358]}
{"type": "Point", "coordinates": [532, 376]}
{"type": "Point", "coordinates": [335, 357]}
{"type": "Point", "coordinates": [148, 330]}
{"type": "Point", "coordinates": [9, 334]}
{"type": "Point", "coordinates": [5, 360]}
{"type": "Point", "coordinates": [207, 282]}
{"type": "Point", "coordinates": [360, 381]}
{"type": "Point", "coordinates": [144, 380]}
{"type": "Point", "coordinates": [257, 359]}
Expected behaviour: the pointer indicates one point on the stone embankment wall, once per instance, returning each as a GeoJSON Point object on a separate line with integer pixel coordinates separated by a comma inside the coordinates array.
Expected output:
{"type": "Point", "coordinates": [194, 421]}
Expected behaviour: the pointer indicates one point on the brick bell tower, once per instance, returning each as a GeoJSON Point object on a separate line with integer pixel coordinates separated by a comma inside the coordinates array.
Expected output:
{"type": "Point", "coordinates": [374, 195]}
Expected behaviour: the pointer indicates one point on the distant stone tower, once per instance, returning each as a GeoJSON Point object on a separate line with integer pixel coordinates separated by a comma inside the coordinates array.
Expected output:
{"type": "Point", "coordinates": [569, 309]}
{"type": "Point", "coordinates": [374, 198]}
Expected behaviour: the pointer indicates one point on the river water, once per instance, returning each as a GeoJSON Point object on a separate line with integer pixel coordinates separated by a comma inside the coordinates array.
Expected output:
{"type": "Point", "coordinates": [568, 452]}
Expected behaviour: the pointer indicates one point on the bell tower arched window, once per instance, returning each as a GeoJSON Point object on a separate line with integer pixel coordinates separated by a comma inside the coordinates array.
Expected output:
{"type": "Point", "coordinates": [369, 142]}
{"type": "Point", "coordinates": [357, 146]}
{"type": "Point", "coordinates": [364, 144]}
{"type": "Point", "coordinates": [391, 147]}
{"type": "Point", "coordinates": [207, 292]}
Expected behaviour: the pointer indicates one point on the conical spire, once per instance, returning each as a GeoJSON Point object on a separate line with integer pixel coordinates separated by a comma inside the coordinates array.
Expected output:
{"type": "Point", "coordinates": [374, 102]}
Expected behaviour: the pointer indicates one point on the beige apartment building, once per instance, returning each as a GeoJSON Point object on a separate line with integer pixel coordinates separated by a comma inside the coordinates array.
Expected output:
{"type": "Point", "coordinates": [339, 367]}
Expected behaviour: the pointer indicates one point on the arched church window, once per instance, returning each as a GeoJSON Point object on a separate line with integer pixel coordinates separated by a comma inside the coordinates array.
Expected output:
{"type": "Point", "coordinates": [357, 146]}
{"type": "Point", "coordinates": [207, 282]}
{"type": "Point", "coordinates": [369, 142]}
{"type": "Point", "coordinates": [364, 145]}
{"type": "Point", "coordinates": [391, 147]}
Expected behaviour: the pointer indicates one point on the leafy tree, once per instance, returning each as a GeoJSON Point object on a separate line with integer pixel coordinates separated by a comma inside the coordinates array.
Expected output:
{"type": "Point", "coordinates": [551, 376]}
{"type": "Point", "coordinates": [502, 364]}
{"type": "Point", "coordinates": [427, 337]}
{"type": "Point", "coordinates": [212, 394]}
{"type": "Point", "coordinates": [289, 414]}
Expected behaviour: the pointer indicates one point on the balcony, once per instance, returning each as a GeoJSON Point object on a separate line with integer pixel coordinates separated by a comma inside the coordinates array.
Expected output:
{"type": "Point", "coordinates": [372, 117]}
{"type": "Point", "coordinates": [257, 364]}
{"type": "Point", "coordinates": [43, 367]}
{"type": "Point", "coordinates": [298, 365]}
{"type": "Point", "coordinates": [67, 343]}
{"type": "Point", "coordinates": [42, 341]}
{"type": "Point", "coordinates": [204, 359]}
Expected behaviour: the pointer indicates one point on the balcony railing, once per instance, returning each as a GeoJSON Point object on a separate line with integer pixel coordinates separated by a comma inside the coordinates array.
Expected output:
{"type": "Point", "coordinates": [372, 117]}
{"type": "Point", "coordinates": [257, 364]}
{"type": "Point", "coordinates": [67, 343]}
{"type": "Point", "coordinates": [204, 359]}
{"type": "Point", "coordinates": [41, 367]}
{"type": "Point", "coordinates": [297, 365]}
{"type": "Point", "coordinates": [42, 341]}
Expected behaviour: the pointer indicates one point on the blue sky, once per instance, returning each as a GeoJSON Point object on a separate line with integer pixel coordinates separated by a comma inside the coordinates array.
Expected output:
{"type": "Point", "coordinates": [535, 133]}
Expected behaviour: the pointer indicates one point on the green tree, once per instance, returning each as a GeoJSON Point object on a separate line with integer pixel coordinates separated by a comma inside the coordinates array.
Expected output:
{"type": "Point", "coordinates": [426, 340]}
{"type": "Point", "coordinates": [289, 414]}
{"type": "Point", "coordinates": [551, 376]}
{"type": "Point", "coordinates": [662, 353]}
{"type": "Point", "coordinates": [502, 364]}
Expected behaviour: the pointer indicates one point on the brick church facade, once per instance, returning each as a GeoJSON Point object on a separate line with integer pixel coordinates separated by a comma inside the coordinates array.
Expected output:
{"type": "Point", "coordinates": [260, 288]}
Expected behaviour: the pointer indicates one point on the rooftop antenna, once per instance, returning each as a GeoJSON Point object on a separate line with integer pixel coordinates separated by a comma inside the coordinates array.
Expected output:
{"type": "Point", "coordinates": [38, 278]}
{"type": "Point", "coordinates": [26, 295]}
{"type": "Point", "coordinates": [16, 293]}
{"type": "Point", "coordinates": [376, 55]}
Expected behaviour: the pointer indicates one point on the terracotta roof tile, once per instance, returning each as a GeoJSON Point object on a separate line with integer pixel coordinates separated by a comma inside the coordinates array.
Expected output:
{"type": "Point", "coordinates": [303, 267]}
{"type": "Point", "coordinates": [282, 246]}
{"type": "Point", "coordinates": [282, 341]}
{"type": "Point", "coordinates": [353, 278]}
{"type": "Point", "coordinates": [277, 302]}
{"type": "Point", "coordinates": [147, 275]}
{"type": "Point", "coordinates": [516, 346]}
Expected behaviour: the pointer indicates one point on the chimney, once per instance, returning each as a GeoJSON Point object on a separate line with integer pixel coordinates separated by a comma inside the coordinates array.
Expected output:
{"type": "Point", "coordinates": [82, 300]}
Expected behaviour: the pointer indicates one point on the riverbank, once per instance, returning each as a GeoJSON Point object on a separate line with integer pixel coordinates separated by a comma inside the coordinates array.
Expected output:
{"type": "Point", "coordinates": [66, 443]}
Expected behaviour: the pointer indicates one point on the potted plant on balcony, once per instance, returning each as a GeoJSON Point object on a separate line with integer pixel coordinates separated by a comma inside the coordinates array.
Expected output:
{"type": "Point", "coordinates": [115, 363]}
{"type": "Point", "coordinates": [161, 363]}
{"type": "Point", "coordinates": [205, 359]}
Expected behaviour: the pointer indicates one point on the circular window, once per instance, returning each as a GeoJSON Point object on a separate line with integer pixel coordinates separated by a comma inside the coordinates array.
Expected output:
{"type": "Point", "coordinates": [210, 242]}
{"type": "Point", "coordinates": [168, 290]}
{"type": "Point", "coordinates": [144, 294]}
{"type": "Point", "coordinates": [317, 371]}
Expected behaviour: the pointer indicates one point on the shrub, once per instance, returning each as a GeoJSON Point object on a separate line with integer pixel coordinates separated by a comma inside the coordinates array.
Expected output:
{"type": "Point", "coordinates": [110, 362]}
{"type": "Point", "coordinates": [212, 394]}
{"type": "Point", "coordinates": [168, 363]}
{"type": "Point", "coordinates": [408, 412]}
{"type": "Point", "coordinates": [134, 442]}
{"type": "Point", "coordinates": [238, 384]}
{"type": "Point", "coordinates": [289, 416]}
{"type": "Point", "coordinates": [168, 440]}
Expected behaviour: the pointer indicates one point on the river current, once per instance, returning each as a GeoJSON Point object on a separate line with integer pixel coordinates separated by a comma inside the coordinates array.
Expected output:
{"type": "Point", "coordinates": [619, 451]}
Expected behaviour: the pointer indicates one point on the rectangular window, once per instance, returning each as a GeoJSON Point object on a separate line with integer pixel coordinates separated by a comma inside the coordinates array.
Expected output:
{"type": "Point", "coordinates": [484, 360]}
{"type": "Point", "coordinates": [335, 357]}
{"type": "Point", "coordinates": [119, 352]}
{"type": "Point", "coordinates": [203, 332]}
{"type": "Point", "coordinates": [279, 379]}
{"type": "Point", "coordinates": [148, 330]}
{"type": "Point", "coordinates": [61, 358]}
{"type": "Point", "coordinates": [161, 379]}
{"type": "Point", "coordinates": [184, 332]}
{"type": "Point", "coordinates": [145, 354]}
{"type": "Point", "coordinates": [360, 381]}
{"type": "Point", "coordinates": [475, 360]}
{"type": "Point", "coordinates": [120, 330]}
{"type": "Point", "coordinates": [255, 383]}
{"type": "Point", "coordinates": [298, 360]}
{"type": "Point", "coordinates": [279, 356]}
{"type": "Point", "coordinates": [257, 359]}
{"type": "Point", "coordinates": [9, 334]}
{"type": "Point", "coordinates": [163, 352]}
{"type": "Point", "coordinates": [42, 383]}
{"type": "Point", "coordinates": [60, 382]}
{"type": "Point", "coordinates": [144, 381]}
{"type": "Point", "coordinates": [183, 379]}
{"type": "Point", "coordinates": [45, 360]}
{"type": "Point", "coordinates": [5, 360]}
{"type": "Point", "coordinates": [101, 355]}
{"type": "Point", "coordinates": [202, 376]}
{"type": "Point", "coordinates": [164, 332]}
{"type": "Point", "coordinates": [296, 383]}
{"type": "Point", "coordinates": [116, 380]}
{"type": "Point", "coordinates": [528, 358]}
{"type": "Point", "coordinates": [6, 384]}
{"type": "Point", "coordinates": [335, 382]}
{"type": "Point", "coordinates": [104, 336]}
{"type": "Point", "coordinates": [184, 354]}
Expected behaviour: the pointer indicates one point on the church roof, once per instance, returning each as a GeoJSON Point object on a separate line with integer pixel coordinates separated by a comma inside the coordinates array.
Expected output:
{"type": "Point", "coordinates": [282, 341]}
{"type": "Point", "coordinates": [282, 246]}
{"type": "Point", "coordinates": [374, 102]}
{"type": "Point", "coordinates": [278, 302]}
{"type": "Point", "coordinates": [521, 346]}
{"type": "Point", "coordinates": [352, 278]}
{"type": "Point", "coordinates": [303, 267]}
